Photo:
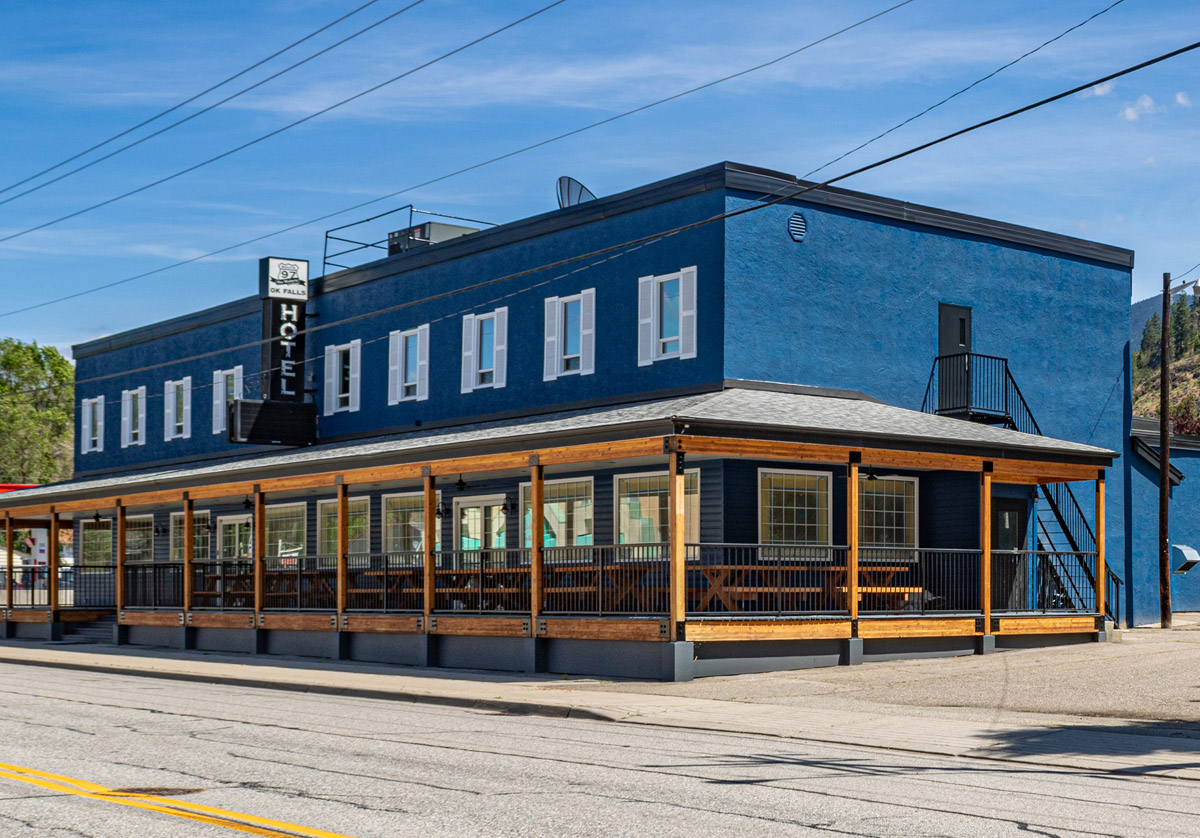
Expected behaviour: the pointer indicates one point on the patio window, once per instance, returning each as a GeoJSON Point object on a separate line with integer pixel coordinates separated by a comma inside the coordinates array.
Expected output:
{"type": "Point", "coordinates": [358, 526]}
{"type": "Point", "coordinates": [642, 508]}
{"type": "Point", "coordinates": [568, 514]}
{"type": "Point", "coordinates": [404, 524]}
{"type": "Point", "coordinates": [286, 530]}
{"type": "Point", "coordinates": [200, 536]}
{"type": "Point", "coordinates": [793, 507]}
{"type": "Point", "coordinates": [97, 546]}
{"type": "Point", "coordinates": [139, 539]}
{"type": "Point", "coordinates": [887, 512]}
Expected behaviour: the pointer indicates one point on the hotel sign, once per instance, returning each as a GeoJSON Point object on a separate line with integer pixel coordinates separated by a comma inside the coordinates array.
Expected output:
{"type": "Point", "coordinates": [283, 286]}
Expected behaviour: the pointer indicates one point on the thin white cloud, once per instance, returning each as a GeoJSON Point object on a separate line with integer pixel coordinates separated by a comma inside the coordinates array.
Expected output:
{"type": "Point", "coordinates": [1099, 90]}
{"type": "Point", "coordinates": [1150, 161]}
{"type": "Point", "coordinates": [1143, 106]}
{"type": "Point", "coordinates": [1183, 100]}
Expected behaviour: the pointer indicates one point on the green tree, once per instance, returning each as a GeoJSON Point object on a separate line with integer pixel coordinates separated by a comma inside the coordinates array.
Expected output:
{"type": "Point", "coordinates": [1151, 341]}
{"type": "Point", "coordinates": [36, 428]}
{"type": "Point", "coordinates": [1183, 329]}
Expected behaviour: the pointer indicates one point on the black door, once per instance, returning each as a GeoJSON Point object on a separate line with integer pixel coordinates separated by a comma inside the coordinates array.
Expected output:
{"type": "Point", "coordinates": [1010, 572]}
{"type": "Point", "coordinates": [954, 368]}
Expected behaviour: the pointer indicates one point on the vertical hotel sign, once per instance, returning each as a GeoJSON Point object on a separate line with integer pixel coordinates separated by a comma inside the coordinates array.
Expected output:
{"type": "Point", "coordinates": [283, 286]}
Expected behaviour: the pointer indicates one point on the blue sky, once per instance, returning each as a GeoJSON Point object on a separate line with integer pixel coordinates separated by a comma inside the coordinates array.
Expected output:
{"type": "Point", "coordinates": [1119, 165]}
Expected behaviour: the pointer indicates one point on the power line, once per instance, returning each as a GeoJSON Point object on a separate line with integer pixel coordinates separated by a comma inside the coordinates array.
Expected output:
{"type": "Point", "coordinates": [280, 130]}
{"type": "Point", "coordinates": [213, 106]}
{"type": "Point", "coordinates": [617, 250]}
{"type": "Point", "coordinates": [449, 175]}
{"type": "Point", "coordinates": [188, 100]}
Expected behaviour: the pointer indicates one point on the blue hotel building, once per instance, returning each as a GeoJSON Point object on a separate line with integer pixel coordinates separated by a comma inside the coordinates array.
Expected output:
{"type": "Point", "coordinates": [838, 428]}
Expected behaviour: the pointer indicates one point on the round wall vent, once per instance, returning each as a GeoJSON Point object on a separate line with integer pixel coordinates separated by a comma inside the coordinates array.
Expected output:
{"type": "Point", "coordinates": [797, 227]}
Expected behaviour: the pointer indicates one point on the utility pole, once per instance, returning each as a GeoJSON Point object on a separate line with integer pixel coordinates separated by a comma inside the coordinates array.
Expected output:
{"type": "Point", "coordinates": [1164, 459]}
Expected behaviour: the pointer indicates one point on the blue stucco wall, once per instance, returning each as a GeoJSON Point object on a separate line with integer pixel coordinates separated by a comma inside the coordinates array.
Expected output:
{"type": "Point", "coordinates": [855, 305]}
{"type": "Point", "coordinates": [1185, 529]}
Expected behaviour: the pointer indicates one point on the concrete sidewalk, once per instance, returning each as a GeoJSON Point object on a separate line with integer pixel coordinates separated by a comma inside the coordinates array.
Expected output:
{"type": "Point", "coordinates": [1104, 745]}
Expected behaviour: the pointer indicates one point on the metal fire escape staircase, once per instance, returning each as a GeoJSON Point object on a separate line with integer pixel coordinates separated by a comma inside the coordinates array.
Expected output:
{"type": "Point", "coordinates": [980, 388]}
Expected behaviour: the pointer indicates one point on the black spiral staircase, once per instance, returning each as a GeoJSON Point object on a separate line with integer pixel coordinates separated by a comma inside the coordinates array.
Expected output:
{"type": "Point", "coordinates": [981, 388]}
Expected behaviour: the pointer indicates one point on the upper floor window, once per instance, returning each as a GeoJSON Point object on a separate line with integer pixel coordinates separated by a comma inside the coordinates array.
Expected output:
{"type": "Point", "coordinates": [485, 350]}
{"type": "Point", "coordinates": [133, 417]}
{"type": "Point", "coordinates": [177, 409]}
{"type": "Point", "coordinates": [408, 365]}
{"type": "Point", "coordinates": [227, 388]}
{"type": "Point", "coordinates": [342, 367]}
{"type": "Point", "coordinates": [570, 336]}
{"type": "Point", "coordinates": [91, 425]}
{"type": "Point", "coordinates": [667, 317]}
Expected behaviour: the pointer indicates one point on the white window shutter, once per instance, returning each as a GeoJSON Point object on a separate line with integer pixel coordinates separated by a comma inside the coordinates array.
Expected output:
{"type": "Point", "coordinates": [126, 417]}
{"type": "Point", "coordinates": [237, 382]}
{"type": "Point", "coordinates": [646, 289]}
{"type": "Point", "coordinates": [85, 427]}
{"type": "Point", "coordinates": [355, 373]}
{"type": "Point", "coordinates": [468, 353]}
{"type": "Point", "coordinates": [587, 332]}
{"type": "Point", "coordinates": [499, 378]}
{"type": "Point", "coordinates": [687, 312]}
{"type": "Point", "coordinates": [423, 363]}
{"type": "Point", "coordinates": [100, 423]}
{"type": "Point", "coordinates": [187, 407]}
{"type": "Point", "coordinates": [141, 415]}
{"type": "Point", "coordinates": [550, 358]}
{"type": "Point", "coordinates": [394, 387]}
{"type": "Point", "coordinates": [168, 410]}
{"type": "Point", "coordinates": [330, 379]}
{"type": "Point", "coordinates": [218, 401]}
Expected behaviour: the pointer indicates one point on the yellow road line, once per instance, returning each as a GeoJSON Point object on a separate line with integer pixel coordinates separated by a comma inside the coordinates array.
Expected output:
{"type": "Point", "coordinates": [163, 805]}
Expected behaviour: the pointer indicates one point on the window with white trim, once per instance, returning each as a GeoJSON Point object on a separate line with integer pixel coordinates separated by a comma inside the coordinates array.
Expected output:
{"type": "Point", "coordinates": [226, 388]}
{"type": "Point", "coordinates": [343, 365]}
{"type": "Point", "coordinates": [133, 417]}
{"type": "Point", "coordinates": [139, 538]}
{"type": "Point", "coordinates": [404, 523]}
{"type": "Point", "coordinates": [667, 317]}
{"type": "Point", "coordinates": [485, 350]}
{"type": "Point", "coordinates": [201, 540]}
{"type": "Point", "coordinates": [358, 526]}
{"type": "Point", "coordinates": [91, 425]}
{"type": "Point", "coordinates": [887, 511]}
{"type": "Point", "coordinates": [794, 506]}
{"type": "Point", "coordinates": [570, 335]}
{"type": "Point", "coordinates": [643, 508]}
{"type": "Point", "coordinates": [408, 365]}
{"type": "Point", "coordinates": [287, 529]}
{"type": "Point", "coordinates": [177, 409]}
{"type": "Point", "coordinates": [97, 542]}
{"type": "Point", "coordinates": [567, 513]}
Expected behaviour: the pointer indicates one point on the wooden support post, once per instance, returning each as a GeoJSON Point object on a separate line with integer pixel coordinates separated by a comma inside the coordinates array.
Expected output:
{"type": "Point", "coordinates": [852, 504]}
{"type": "Point", "coordinates": [189, 550]}
{"type": "Point", "coordinates": [985, 546]}
{"type": "Point", "coordinates": [429, 542]}
{"type": "Point", "coordinates": [52, 566]}
{"type": "Point", "coordinates": [537, 502]}
{"type": "Point", "coordinates": [677, 552]}
{"type": "Point", "coordinates": [122, 548]}
{"type": "Point", "coordinates": [1101, 571]}
{"type": "Point", "coordinates": [9, 545]}
{"type": "Point", "coordinates": [343, 545]}
{"type": "Point", "coordinates": [260, 549]}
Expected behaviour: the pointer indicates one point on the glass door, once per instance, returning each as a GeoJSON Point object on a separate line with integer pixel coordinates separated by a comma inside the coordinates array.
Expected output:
{"type": "Point", "coordinates": [235, 537]}
{"type": "Point", "coordinates": [480, 528]}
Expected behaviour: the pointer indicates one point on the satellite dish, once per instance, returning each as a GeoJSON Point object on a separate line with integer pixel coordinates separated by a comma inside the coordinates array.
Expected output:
{"type": "Point", "coordinates": [572, 192]}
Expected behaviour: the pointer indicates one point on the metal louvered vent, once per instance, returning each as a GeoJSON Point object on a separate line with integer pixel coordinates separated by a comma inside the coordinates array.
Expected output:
{"type": "Point", "coordinates": [797, 227]}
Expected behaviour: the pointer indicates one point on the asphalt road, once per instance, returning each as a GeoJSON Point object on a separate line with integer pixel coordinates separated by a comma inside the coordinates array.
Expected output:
{"type": "Point", "coordinates": [127, 756]}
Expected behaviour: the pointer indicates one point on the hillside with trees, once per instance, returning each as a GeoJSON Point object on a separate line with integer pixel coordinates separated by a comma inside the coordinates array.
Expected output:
{"type": "Point", "coordinates": [37, 413]}
{"type": "Point", "coordinates": [1184, 329]}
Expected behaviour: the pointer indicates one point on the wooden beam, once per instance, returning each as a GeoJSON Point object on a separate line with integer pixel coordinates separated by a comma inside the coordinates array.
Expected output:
{"type": "Point", "coordinates": [985, 545]}
{"type": "Point", "coordinates": [122, 549]}
{"type": "Point", "coordinates": [721, 630]}
{"type": "Point", "coordinates": [9, 546]}
{"type": "Point", "coordinates": [852, 515]}
{"type": "Point", "coordinates": [537, 503]}
{"type": "Point", "coordinates": [343, 545]}
{"type": "Point", "coordinates": [1101, 572]}
{"type": "Point", "coordinates": [603, 628]}
{"type": "Point", "coordinates": [677, 552]}
{"type": "Point", "coordinates": [189, 550]}
{"type": "Point", "coordinates": [917, 627]}
{"type": "Point", "coordinates": [430, 539]}
{"type": "Point", "coordinates": [52, 567]}
{"type": "Point", "coordinates": [260, 548]}
{"type": "Point", "coordinates": [1047, 625]}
